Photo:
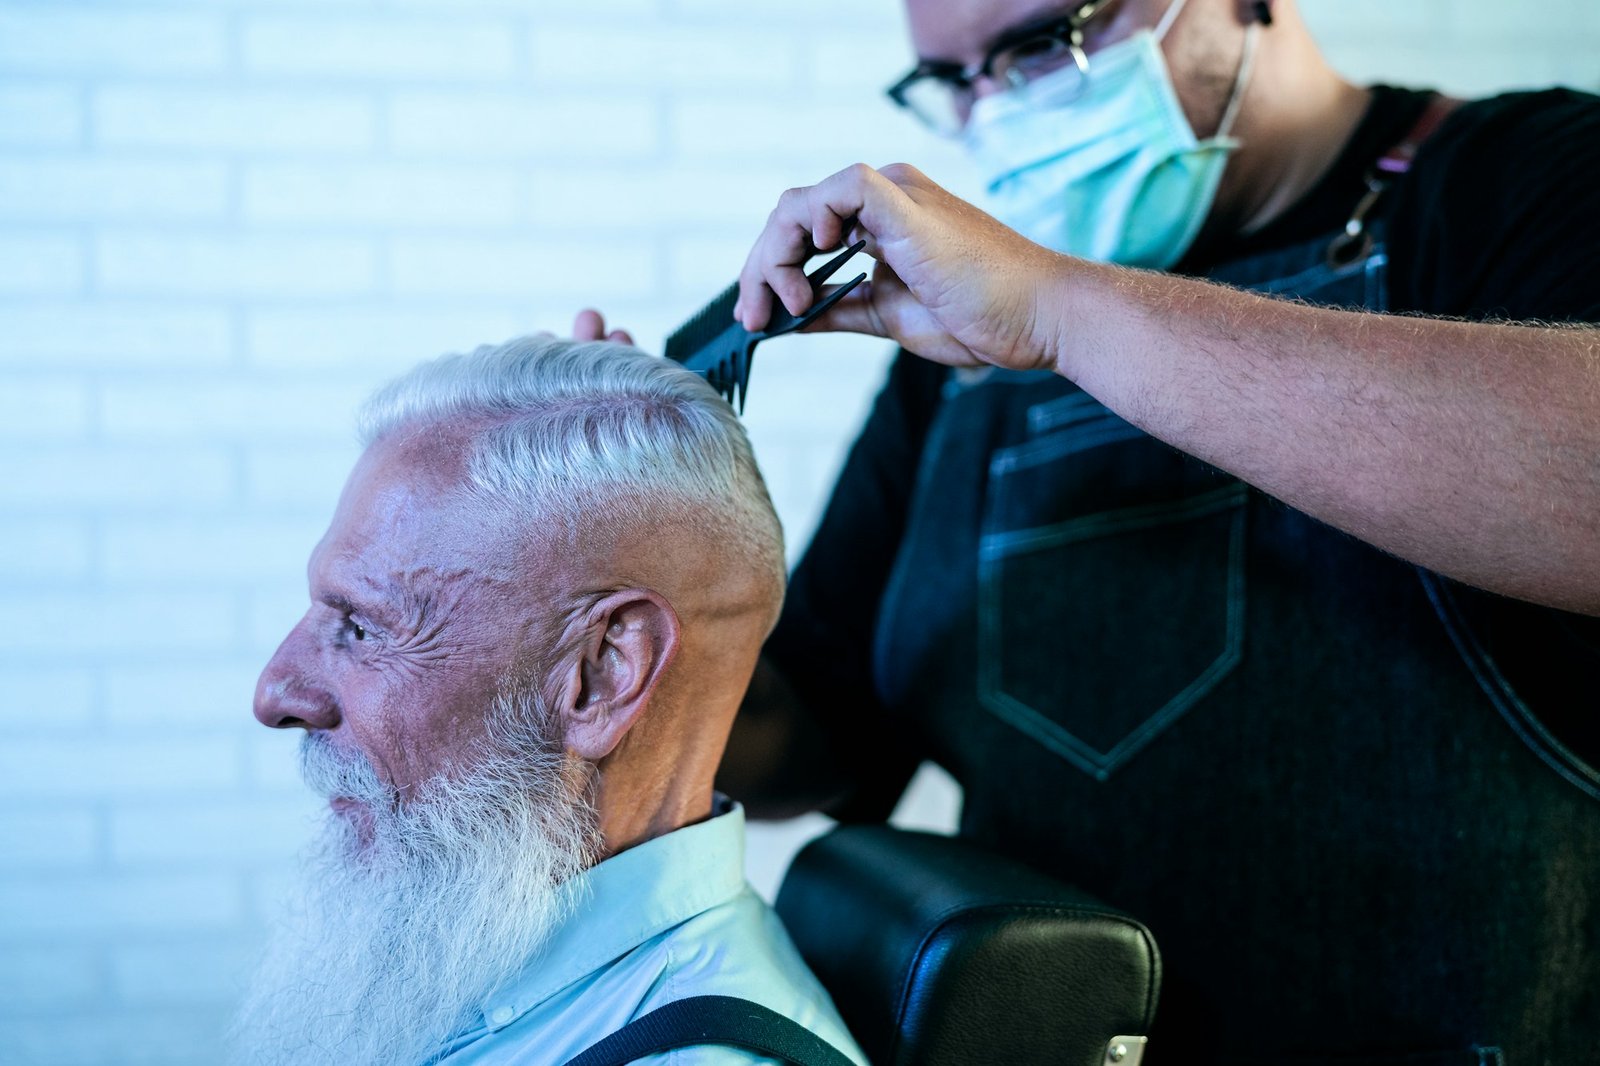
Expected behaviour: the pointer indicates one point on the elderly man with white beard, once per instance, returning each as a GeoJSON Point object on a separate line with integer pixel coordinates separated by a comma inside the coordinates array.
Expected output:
{"type": "Point", "coordinates": [532, 620]}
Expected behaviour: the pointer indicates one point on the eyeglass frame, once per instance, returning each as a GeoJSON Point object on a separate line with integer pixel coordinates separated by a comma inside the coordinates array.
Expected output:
{"type": "Point", "coordinates": [1067, 28]}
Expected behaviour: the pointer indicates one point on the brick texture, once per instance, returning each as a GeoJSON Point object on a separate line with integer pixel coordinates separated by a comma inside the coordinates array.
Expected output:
{"type": "Point", "coordinates": [221, 224]}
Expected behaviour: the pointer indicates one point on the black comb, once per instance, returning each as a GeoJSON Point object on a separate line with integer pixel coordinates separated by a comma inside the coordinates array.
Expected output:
{"type": "Point", "coordinates": [714, 345]}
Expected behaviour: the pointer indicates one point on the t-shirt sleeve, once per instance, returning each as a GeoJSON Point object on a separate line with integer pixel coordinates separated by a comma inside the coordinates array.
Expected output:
{"type": "Point", "coordinates": [1500, 218]}
{"type": "Point", "coordinates": [823, 643]}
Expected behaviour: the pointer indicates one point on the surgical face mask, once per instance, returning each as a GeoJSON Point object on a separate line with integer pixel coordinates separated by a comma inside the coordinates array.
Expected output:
{"type": "Point", "coordinates": [1107, 169]}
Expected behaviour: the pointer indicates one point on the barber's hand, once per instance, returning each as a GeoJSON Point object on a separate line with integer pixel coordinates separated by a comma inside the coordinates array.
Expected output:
{"type": "Point", "coordinates": [951, 284]}
{"type": "Point", "coordinates": [590, 325]}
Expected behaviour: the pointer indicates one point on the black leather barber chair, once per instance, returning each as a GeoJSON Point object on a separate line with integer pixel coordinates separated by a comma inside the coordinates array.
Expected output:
{"type": "Point", "coordinates": [940, 954]}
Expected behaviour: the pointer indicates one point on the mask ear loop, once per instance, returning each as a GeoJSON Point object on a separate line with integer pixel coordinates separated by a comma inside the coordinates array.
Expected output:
{"type": "Point", "coordinates": [1173, 10]}
{"type": "Point", "coordinates": [1247, 62]}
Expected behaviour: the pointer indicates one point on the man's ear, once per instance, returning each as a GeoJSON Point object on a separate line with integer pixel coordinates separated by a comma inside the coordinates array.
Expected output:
{"type": "Point", "coordinates": [630, 638]}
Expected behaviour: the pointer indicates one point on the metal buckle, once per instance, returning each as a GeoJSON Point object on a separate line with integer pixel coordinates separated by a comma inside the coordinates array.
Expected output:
{"type": "Point", "coordinates": [1125, 1050]}
{"type": "Point", "coordinates": [1356, 242]}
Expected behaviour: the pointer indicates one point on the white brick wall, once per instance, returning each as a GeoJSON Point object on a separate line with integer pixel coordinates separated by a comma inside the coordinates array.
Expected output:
{"type": "Point", "coordinates": [220, 225]}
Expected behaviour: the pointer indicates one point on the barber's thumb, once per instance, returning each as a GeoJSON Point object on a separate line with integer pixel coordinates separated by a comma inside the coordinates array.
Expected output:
{"type": "Point", "coordinates": [852, 314]}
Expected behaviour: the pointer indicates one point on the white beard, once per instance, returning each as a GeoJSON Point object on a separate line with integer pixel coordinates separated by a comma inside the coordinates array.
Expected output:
{"type": "Point", "coordinates": [401, 927]}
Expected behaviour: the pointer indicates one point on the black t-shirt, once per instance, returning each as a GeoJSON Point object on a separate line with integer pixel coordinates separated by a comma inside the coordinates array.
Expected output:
{"type": "Point", "coordinates": [1499, 218]}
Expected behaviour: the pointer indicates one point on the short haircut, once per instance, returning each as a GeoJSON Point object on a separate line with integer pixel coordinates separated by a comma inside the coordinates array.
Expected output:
{"type": "Point", "coordinates": [593, 435]}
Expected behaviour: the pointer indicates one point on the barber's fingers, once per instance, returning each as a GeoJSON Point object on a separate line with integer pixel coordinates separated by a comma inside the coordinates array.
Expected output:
{"type": "Point", "coordinates": [908, 177]}
{"type": "Point", "coordinates": [775, 266]}
{"type": "Point", "coordinates": [886, 307]}
{"type": "Point", "coordinates": [857, 200]}
{"type": "Point", "coordinates": [857, 233]}
{"type": "Point", "coordinates": [590, 325]}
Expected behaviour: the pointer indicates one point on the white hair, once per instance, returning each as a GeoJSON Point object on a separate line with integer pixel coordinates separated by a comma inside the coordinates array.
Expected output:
{"type": "Point", "coordinates": [402, 926]}
{"type": "Point", "coordinates": [411, 916]}
{"type": "Point", "coordinates": [587, 432]}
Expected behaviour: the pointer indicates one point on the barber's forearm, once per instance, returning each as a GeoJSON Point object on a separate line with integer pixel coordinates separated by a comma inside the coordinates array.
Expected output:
{"type": "Point", "coordinates": [1469, 448]}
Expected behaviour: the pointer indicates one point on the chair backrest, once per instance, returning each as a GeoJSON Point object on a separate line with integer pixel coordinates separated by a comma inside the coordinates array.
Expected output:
{"type": "Point", "coordinates": [937, 952]}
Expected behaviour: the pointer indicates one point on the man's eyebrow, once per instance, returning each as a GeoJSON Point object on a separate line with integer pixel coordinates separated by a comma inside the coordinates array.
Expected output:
{"type": "Point", "coordinates": [1009, 35]}
{"type": "Point", "coordinates": [338, 601]}
{"type": "Point", "coordinates": [345, 605]}
{"type": "Point", "coordinates": [335, 596]}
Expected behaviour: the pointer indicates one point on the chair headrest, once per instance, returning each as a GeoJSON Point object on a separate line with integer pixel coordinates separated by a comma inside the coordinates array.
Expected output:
{"type": "Point", "coordinates": [936, 951]}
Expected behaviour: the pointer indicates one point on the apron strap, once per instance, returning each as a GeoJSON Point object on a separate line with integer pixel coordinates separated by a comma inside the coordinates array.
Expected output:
{"type": "Point", "coordinates": [1356, 240]}
{"type": "Point", "coordinates": [700, 1020]}
{"type": "Point", "coordinates": [1398, 160]}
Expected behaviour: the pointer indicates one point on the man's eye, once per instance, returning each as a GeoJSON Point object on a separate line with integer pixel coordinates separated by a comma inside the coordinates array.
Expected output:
{"type": "Point", "coordinates": [357, 630]}
{"type": "Point", "coordinates": [1038, 52]}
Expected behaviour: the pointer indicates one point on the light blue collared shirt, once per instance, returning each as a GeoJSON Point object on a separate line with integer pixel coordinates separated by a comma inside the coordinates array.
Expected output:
{"type": "Point", "coordinates": [666, 919]}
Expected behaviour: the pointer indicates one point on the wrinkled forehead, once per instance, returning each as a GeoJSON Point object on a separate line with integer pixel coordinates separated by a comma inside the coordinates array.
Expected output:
{"type": "Point", "coordinates": [405, 485]}
{"type": "Point", "coordinates": [404, 510]}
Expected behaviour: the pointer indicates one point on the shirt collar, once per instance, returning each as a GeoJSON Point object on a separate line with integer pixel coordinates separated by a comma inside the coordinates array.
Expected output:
{"type": "Point", "coordinates": [628, 899]}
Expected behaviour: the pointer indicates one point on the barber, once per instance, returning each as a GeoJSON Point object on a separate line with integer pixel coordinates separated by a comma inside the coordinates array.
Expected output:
{"type": "Point", "coordinates": [1253, 590]}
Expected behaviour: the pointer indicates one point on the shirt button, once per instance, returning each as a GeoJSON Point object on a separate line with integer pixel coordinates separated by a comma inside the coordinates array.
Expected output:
{"type": "Point", "coordinates": [501, 1015]}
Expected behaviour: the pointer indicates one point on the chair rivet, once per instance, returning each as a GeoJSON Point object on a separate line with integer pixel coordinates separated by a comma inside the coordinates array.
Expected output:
{"type": "Point", "coordinates": [1117, 1052]}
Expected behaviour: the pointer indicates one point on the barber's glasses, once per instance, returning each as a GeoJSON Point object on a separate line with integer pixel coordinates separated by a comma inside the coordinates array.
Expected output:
{"type": "Point", "coordinates": [941, 94]}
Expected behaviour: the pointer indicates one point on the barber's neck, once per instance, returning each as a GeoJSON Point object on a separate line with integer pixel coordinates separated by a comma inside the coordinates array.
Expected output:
{"type": "Point", "coordinates": [1298, 114]}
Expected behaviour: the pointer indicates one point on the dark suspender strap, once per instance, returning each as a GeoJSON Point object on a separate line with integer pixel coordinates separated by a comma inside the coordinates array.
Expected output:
{"type": "Point", "coordinates": [1398, 159]}
{"type": "Point", "coordinates": [701, 1020]}
{"type": "Point", "coordinates": [1356, 240]}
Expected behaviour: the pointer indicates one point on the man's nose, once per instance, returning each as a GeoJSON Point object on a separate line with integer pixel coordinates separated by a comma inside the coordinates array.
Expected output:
{"type": "Point", "coordinates": [982, 85]}
{"type": "Point", "coordinates": [988, 85]}
{"type": "Point", "coordinates": [288, 696]}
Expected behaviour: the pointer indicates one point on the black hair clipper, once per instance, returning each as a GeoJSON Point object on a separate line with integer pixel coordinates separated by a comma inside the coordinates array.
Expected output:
{"type": "Point", "coordinates": [714, 344]}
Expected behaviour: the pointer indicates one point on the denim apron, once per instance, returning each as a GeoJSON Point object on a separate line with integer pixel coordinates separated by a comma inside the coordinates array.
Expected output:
{"type": "Point", "coordinates": [1323, 777]}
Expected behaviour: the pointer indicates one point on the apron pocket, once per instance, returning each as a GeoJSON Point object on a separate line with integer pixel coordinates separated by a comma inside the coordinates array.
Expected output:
{"type": "Point", "coordinates": [1098, 631]}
